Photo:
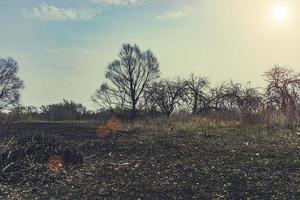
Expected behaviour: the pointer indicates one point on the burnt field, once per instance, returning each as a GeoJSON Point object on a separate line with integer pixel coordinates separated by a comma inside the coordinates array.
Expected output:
{"type": "Point", "coordinates": [174, 162]}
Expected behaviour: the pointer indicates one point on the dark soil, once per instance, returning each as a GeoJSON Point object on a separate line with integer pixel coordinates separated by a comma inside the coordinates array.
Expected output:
{"type": "Point", "coordinates": [223, 163]}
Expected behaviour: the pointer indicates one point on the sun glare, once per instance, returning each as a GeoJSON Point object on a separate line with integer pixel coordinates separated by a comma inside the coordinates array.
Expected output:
{"type": "Point", "coordinates": [280, 13]}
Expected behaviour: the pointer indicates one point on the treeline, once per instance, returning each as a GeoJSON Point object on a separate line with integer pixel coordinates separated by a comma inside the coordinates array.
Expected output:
{"type": "Point", "coordinates": [65, 110]}
{"type": "Point", "coordinates": [135, 86]}
{"type": "Point", "coordinates": [136, 90]}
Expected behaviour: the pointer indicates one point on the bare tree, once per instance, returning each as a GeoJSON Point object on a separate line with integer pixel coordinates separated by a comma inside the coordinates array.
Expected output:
{"type": "Point", "coordinates": [247, 100]}
{"type": "Point", "coordinates": [10, 83]}
{"type": "Point", "coordinates": [150, 106]}
{"type": "Point", "coordinates": [282, 90]}
{"type": "Point", "coordinates": [109, 98]}
{"type": "Point", "coordinates": [195, 94]}
{"type": "Point", "coordinates": [216, 99]}
{"type": "Point", "coordinates": [130, 75]}
{"type": "Point", "coordinates": [167, 95]}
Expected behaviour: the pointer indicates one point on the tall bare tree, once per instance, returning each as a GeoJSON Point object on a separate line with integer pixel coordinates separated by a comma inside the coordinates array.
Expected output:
{"type": "Point", "coordinates": [10, 83]}
{"type": "Point", "coordinates": [130, 75]}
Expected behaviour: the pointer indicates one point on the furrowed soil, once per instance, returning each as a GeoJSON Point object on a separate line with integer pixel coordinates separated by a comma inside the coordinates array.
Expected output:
{"type": "Point", "coordinates": [211, 163]}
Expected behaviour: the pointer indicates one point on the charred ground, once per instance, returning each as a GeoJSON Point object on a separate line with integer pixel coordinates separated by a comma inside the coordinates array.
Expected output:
{"type": "Point", "coordinates": [225, 162]}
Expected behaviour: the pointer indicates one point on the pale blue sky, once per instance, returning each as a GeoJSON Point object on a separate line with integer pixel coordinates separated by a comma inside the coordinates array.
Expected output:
{"type": "Point", "coordinates": [63, 46]}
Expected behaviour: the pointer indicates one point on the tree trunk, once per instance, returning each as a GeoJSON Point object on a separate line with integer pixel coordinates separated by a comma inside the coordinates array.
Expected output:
{"type": "Point", "coordinates": [133, 113]}
{"type": "Point", "coordinates": [195, 108]}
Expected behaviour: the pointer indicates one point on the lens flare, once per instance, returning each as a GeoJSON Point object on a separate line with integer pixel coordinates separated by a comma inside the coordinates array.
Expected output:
{"type": "Point", "coordinates": [102, 132]}
{"type": "Point", "coordinates": [55, 163]}
{"type": "Point", "coordinates": [114, 124]}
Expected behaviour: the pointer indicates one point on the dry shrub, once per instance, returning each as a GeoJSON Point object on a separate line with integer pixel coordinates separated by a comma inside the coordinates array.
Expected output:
{"type": "Point", "coordinates": [55, 163]}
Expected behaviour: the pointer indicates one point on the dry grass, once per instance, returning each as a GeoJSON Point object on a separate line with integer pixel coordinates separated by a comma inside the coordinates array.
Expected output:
{"type": "Point", "coordinates": [184, 124]}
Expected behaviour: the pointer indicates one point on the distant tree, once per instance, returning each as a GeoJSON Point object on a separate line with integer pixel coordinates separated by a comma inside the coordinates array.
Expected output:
{"type": "Point", "coordinates": [130, 75]}
{"type": "Point", "coordinates": [10, 83]}
{"type": "Point", "coordinates": [24, 113]}
{"type": "Point", "coordinates": [195, 93]}
{"type": "Point", "coordinates": [66, 110]}
{"type": "Point", "coordinates": [217, 98]}
{"type": "Point", "coordinates": [150, 106]}
{"type": "Point", "coordinates": [109, 98]}
{"type": "Point", "coordinates": [282, 89]}
{"type": "Point", "coordinates": [167, 95]}
{"type": "Point", "coordinates": [247, 100]}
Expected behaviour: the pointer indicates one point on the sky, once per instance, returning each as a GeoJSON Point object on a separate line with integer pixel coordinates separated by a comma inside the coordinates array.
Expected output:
{"type": "Point", "coordinates": [63, 47]}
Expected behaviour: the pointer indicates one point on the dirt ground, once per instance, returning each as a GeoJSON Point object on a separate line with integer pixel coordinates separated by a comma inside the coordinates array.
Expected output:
{"type": "Point", "coordinates": [213, 163]}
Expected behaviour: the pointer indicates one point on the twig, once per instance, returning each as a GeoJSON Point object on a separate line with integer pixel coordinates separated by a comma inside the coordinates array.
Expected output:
{"type": "Point", "coordinates": [92, 156]}
{"type": "Point", "coordinates": [121, 164]}
{"type": "Point", "coordinates": [5, 168]}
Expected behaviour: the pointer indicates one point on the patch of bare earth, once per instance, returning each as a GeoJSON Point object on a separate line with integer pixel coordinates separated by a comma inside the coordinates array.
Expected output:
{"type": "Point", "coordinates": [216, 163]}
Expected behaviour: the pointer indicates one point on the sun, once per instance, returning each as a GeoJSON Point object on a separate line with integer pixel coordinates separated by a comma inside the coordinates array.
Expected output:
{"type": "Point", "coordinates": [280, 13]}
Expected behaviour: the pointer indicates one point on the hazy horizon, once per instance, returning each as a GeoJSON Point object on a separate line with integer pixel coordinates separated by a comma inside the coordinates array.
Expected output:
{"type": "Point", "coordinates": [64, 47]}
